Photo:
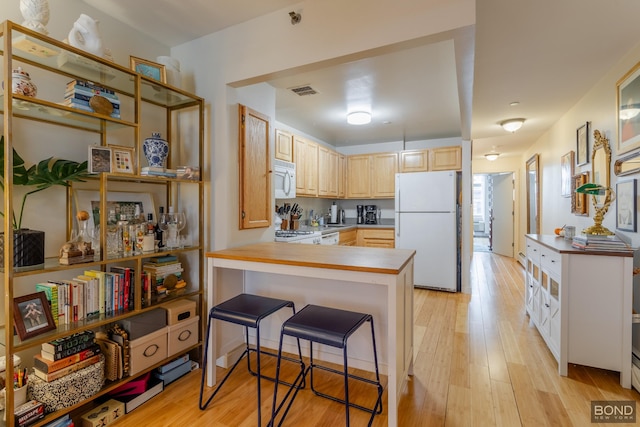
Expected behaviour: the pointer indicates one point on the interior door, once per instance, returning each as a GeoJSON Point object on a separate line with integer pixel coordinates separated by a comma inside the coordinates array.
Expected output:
{"type": "Point", "coordinates": [502, 218]}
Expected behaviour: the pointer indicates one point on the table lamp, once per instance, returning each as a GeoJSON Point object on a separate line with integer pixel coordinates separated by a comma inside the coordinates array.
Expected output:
{"type": "Point", "coordinates": [597, 190]}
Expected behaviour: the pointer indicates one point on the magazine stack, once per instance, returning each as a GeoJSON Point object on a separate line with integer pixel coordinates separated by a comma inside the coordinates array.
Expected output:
{"type": "Point", "coordinates": [593, 242]}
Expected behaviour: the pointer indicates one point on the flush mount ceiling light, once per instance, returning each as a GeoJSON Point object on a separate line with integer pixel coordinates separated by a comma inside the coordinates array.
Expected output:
{"type": "Point", "coordinates": [491, 156]}
{"type": "Point", "coordinates": [359, 118]}
{"type": "Point", "coordinates": [512, 125]}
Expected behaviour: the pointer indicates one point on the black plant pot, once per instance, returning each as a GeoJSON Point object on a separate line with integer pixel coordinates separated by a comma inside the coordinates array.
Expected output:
{"type": "Point", "coordinates": [28, 249]}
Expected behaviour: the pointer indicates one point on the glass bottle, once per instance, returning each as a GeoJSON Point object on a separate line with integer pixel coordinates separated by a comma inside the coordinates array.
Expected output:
{"type": "Point", "coordinates": [158, 230]}
{"type": "Point", "coordinates": [113, 242]}
{"type": "Point", "coordinates": [151, 226]}
{"type": "Point", "coordinates": [123, 234]}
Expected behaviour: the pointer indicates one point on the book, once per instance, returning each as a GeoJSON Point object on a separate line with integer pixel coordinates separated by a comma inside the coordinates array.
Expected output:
{"type": "Point", "coordinates": [129, 278]}
{"type": "Point", "coordinates": [163, 259]}
{"type": "Point", "coordinates": [49, 366]}
{"type": "Point", "coordinates": [69, 342]}
{"type": "Point", "coordinates": [173, 364]}
{"type": "Point", "coordinates": [89, 85]}
{"type": "Point", "coordinates": [51, 291]}
{"type": "Point", "coordinates": [154, 387]}
{"type": "Point", "coordinates": [99, 275]}
{"type": "Point", "coordinates": [48, 377]}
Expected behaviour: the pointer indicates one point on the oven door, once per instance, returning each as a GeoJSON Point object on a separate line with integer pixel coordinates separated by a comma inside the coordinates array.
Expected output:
{"type": "Point", "coordinates": [284, 177]}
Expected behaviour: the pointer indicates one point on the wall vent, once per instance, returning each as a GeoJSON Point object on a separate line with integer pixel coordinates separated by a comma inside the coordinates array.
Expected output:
{"type": "Point", "coordinates": [303, 90]}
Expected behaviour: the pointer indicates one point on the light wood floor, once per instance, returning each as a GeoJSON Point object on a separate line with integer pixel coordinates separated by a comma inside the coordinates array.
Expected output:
{"type": "Point", "coordinates": [478, 362]}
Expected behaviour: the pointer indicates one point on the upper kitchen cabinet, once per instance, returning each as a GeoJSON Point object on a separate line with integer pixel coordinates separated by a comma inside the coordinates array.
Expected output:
{"type": "Point", "coordinates": [327, 172]}
{"type": "Point", "coordinates": [342, 172]}
{"type": "Point", "coordinates": [371, 175]}
{"type": "Point", "coordinates": [284, 146]}
{"type": "Point", "coordinates": [255, 177]}
{"type": "Point", "coordinates": [445, 158]}
{"type": "Point", "coordinates": [414, 161]}
{"type": "Point", "coordinates": [305, 154]}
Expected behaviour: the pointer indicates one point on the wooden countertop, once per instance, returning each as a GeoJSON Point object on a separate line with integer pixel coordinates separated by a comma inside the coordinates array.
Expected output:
{"type": "Point", "coordinates": [371, 260]}
{"type": "Point", "coordinates": [563, 246]}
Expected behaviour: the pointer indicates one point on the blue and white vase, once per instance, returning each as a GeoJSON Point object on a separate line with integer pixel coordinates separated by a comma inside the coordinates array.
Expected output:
{"type": "Point", "coordinates": [155, 150]}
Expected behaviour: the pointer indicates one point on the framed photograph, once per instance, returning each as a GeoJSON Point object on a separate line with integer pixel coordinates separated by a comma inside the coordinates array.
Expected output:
{"type": "Point", "coordinates": [628, 110]}
{"type": "Point", "coordinates": [566, 173]}
{"type": "Point", "coordinates": [626, 206]}
{"type": "Point", "coordinates": [582, 144]}
{"type": "Point", "coordinates": [99, 159]}
{"type": "Point", "coordinates": [120, 201]}
{"type": "Point", "coordinates": [32, 315]}
{"type": "Point", "coordinates": [122, 159]}
{"type": "Point", "coordinates": [149, 69]}
{"type": "Point", "coordinates": [579, 205]}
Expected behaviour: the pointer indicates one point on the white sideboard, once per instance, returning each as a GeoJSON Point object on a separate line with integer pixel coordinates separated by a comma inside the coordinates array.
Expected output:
{"type": "Point", "coordinates": [581, 303]}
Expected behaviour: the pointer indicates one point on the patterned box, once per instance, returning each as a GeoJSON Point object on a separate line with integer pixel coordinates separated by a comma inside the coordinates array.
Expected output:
{"type": "Point", "coordinates": [68, 390]}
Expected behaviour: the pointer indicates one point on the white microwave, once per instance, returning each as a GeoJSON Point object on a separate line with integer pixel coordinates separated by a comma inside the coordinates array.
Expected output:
{"type": "Point", "coordinates": [285, 179]}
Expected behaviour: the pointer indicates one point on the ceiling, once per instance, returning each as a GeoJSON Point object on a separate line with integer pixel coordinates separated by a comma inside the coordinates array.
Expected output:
{"type": "Point", "coordinates": [544, 55]}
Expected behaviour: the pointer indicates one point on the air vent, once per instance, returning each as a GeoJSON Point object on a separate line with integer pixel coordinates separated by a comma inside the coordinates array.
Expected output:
{"type": "Point", "coordinates": [303, 90]}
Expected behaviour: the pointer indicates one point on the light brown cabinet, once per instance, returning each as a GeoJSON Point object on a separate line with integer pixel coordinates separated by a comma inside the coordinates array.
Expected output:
{"type": "Point", "coordinates": [371, 175]}
{"type": "Point", "coordinates": [327, 172]}
{"type": "Point", "coordinates": [255, 179]}
{"type": "Point", "coordinates": [342, 175]}
{"type": "Point", "coordinates": [445, 158]}
{"type": "Point", "coordinates": [376, 237]}
{"type": "Point", "coordinates": [348, 238]}
{"type": "Point", "coordinates": [283, 149]}
{"type": "Point", "coordinates": [305, 154]}
{"type": "Point", "coordinates": [414, 161]}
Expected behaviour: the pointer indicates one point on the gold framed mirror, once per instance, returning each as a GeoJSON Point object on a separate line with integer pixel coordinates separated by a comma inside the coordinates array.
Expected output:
{"type": "Point", "coordinates": [601, 160]}
{"type": "Point", "coordinates": [533, 195]}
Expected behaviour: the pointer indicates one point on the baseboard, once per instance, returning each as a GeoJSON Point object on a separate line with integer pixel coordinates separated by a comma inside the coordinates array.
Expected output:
{"type": "Point", "coordinates": [228, 359]}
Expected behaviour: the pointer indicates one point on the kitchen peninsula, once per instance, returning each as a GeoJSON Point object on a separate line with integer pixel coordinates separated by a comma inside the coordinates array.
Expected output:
{"type": "Point", "coordinates": [368, 280]}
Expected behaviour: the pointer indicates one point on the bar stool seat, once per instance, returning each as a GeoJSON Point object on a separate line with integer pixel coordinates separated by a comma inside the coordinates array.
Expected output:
{"type": "Point", "coordinates": [247, 310]}
{"type": "Point", "coordinates": [332, 327]}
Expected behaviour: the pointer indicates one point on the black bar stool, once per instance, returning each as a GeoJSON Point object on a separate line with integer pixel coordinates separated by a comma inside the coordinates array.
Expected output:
{"type": "Point", "coordinates": [331, 327]}
{"type": "Point", "coordinates": [246, 310]}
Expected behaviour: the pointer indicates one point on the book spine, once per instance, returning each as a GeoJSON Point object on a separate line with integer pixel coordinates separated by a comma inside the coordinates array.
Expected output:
{"type": "Point", "coordinates": [81, 98]}
{"type": "Point", "coordinates": [88, 85]}
{"type": "Point", "coordinates": [65, 353]}
{"type": "Point", "coordinates": [49, 366]}
{"type": "Point", "coordinates": [68, 342]}
{"type": "Point", "coordinates": [48, 377]}
{"type": "Point", "coordinates": [51, 291]}
{"type": "Point", "coordinates": [79, 90]}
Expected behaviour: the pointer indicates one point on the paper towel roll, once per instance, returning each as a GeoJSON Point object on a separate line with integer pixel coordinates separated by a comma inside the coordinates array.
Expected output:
{"type": "Point", "coordinates": [334, 214]}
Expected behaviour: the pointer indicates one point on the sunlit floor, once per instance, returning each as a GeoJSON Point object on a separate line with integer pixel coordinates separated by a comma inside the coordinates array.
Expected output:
{"type": "Point", "coordinates": [481, 244]}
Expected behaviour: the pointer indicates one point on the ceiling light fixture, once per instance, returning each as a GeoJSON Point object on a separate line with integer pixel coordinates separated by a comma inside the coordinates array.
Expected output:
{"type": "Point", "coordinates": [359, 118]}
{"type": "Point", "coordinates": [491, 156]}
{"type": "Point", "coordinates": [512, 125]}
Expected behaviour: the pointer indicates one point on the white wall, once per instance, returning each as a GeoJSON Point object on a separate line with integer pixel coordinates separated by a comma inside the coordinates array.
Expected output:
{"type": "Point", "coordinates": [330, 31]}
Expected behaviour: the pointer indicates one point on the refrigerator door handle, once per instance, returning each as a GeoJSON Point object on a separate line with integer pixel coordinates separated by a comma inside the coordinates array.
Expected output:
{"type": "Point", "coordinates": [397, 224]}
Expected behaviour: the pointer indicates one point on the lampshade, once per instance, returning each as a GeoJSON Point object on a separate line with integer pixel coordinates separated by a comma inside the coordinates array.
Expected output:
{"type": "Point", "coordinates": [359, 118]}
{"type": "Point", "coordinates": [491, 156]}
{"type": "Point", "coordinates": [512, 125]}
{"type": "Point", "coordinates": [592, 189]}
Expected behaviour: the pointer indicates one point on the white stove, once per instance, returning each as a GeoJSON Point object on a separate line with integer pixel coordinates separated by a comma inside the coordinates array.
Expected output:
{"type": "Point", "coordinates": [298, 236]}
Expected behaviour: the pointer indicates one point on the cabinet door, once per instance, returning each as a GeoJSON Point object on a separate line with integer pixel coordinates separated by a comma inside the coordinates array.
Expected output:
{"type": "Point", "coordinates": [284, 146]}
{"type": "Point", "coordinates": [554, 314]}
{"type": "Point", "coordinates": [311, 169]}
{"type": "Point", "coordinates": [383, 175]}
{"type": "Point", "coordinates": [333, 174]}
{"type": "Point", "coordinates": [255, 179]}
{"type": "Point", "coordinates": [342, 169]}
{"type": "Point", "coordinates": [446, 158]}
{"type": "Point", "coordinates": [300, 159]}
{"type": "Point", "coordinates": [327, 172]}
{"type": "Point", "coordinates": [414, 161]}
{"type": "Point", "coordinates": [359, 177]}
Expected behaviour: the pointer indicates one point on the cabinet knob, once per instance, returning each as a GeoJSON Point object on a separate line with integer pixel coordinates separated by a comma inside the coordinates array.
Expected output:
{"type": "Point", "coordinates": [546, 305]}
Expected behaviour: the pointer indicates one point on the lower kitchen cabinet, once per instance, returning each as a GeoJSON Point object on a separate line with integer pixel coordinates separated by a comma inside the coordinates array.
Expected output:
{"type": "Point", "coordinates": [348, 238]}
{"type": "Point", "coordinates": [376, 237]}
{"type": "Point", "coordinates": [581, 303]}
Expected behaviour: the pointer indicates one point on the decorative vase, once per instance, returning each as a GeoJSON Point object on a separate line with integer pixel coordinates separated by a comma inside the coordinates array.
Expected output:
{"type": "Point", "coordinates": [21, 83]}
{"type": "Point", "coordinates": [35, 14]}
{"type": "Point", "coordinates": [28, 249]}
{"type": "Point", "coordinates": [155, 150]}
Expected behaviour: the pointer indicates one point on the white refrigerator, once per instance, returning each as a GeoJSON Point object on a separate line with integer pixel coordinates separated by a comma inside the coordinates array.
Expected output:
{"type": "Point", "coordinates": [427, 220]}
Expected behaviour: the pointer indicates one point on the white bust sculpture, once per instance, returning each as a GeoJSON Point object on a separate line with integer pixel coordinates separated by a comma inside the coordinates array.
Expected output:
{"type": "Point", "coordinates": [35, 14]}
{"type": "Point", "coordinates": [85, 35]}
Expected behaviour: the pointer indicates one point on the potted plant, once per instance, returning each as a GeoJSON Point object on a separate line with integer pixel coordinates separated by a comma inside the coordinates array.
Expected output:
{"type": "Point", "coordinates": [29, 244]}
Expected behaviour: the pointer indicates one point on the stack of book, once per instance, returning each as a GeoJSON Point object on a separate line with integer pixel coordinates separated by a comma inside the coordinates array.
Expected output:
{"type": "Point", "coordinates": [165, 273]}
{"type": "Point", "coordinates": [592, 242]}
{"type": "Point", "coordinates": [158, 171]}
{"type": "Point", "coordinates": [66, 355]}
{"type": "Point", "coordinates": [80, 92]}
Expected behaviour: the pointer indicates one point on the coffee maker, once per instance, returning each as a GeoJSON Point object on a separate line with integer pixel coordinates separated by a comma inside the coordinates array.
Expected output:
{"type": "Point", "coordinates": [370, 214]}
{"type": "Point", "coordinates": [360, 217]}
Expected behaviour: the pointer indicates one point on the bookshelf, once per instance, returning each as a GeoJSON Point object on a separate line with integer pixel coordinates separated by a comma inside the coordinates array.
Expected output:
{"type": "Point", "coordinates": [33, 125]}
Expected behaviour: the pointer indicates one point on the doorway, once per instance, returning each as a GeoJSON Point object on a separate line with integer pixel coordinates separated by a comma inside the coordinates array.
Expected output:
{"type": "Point", "coordinates": [493, 213]}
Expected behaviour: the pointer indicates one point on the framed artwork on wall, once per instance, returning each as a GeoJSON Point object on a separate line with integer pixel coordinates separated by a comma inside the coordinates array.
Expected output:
{"type": "Point", "coordinates": [626, 206]}
{"type": "Point", "coordinates": [566, 173]}
{"type": "Point", "coordinates": [582, 144]}
{"type": "Point", "coordinates": [579, 205]}
{"type": "Point", "coordinates": [628, 110]}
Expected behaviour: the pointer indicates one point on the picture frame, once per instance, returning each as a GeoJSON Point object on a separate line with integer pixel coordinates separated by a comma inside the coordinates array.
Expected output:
{"type": "Point", "coordinates": [628, 110]}
{"type": "Point", "coordinates": [32, 315]}
{"type": "Point", "coordinates": [566, 173]}
{"type": "Point", "coordinates": [579, 203]}
{"type": "Point", "coordinates": [582, 144]}
{"type": "Point", "coordinates": [626, 201]}
{"type": "Point", "coordinates": [99, 159]}
{"type": "Point", "coordinates": [122, 159]}
{"type": "Point", "coordinates": [148, 68]}
{"type": "Point", "coordinates": [89, 200]}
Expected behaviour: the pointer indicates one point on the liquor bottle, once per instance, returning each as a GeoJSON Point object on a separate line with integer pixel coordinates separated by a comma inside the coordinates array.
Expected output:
{"type": "Point", "coordinates": [158, 230]}
{"type": "Point", "coordinates": [113, 239]}
{"type": "Point", "coordinates": [151, 226]}
{"type": "Point", "coordinates": [123, 232]}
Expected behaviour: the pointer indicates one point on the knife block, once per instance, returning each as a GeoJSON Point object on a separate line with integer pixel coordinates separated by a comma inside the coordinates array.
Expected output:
{"type": "Point", "coordinates": [284, 225]}
{"type": "Point", "coordinates": [295, 224]}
